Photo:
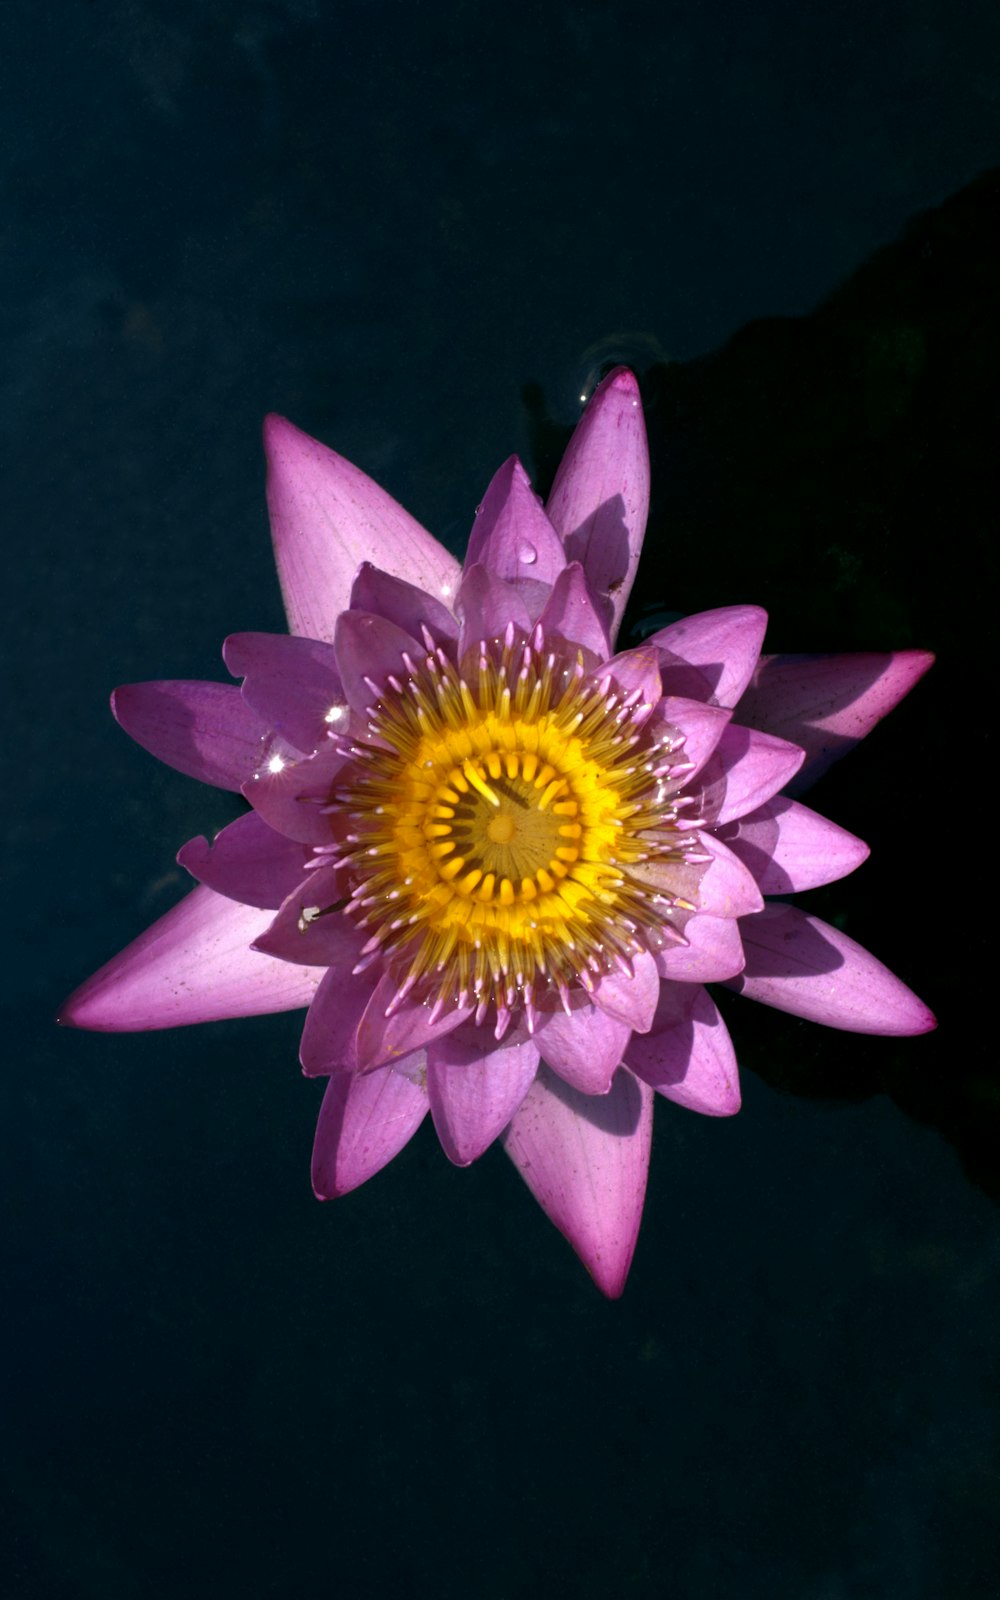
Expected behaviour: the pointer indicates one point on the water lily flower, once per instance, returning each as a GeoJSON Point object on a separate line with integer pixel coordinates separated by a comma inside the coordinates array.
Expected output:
{"type": "Point", "coordinates": [498, 860]}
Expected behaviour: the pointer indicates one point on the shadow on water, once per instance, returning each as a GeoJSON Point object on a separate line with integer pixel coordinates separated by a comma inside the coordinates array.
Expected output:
{"type": "Point", "coordinates": [837, 469]}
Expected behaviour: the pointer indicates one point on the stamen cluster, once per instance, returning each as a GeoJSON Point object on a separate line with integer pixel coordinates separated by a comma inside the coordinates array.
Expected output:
{"type": "Point", "coordinates": [511, 826]}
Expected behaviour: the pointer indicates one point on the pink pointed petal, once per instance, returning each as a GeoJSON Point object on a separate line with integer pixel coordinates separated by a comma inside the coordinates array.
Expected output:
{"type": "Point", "coordinates": [788, 847]}
{"type": "Point", "coordinates": [701, 724]}
{"type": "Point", "coordinates": [475, 1086]}
{"type": "Point", "coordinates": [205, 730]}
{"type": "Point", "coordinates": [386, 1039]}
{"type": "Point", "coordinates": [747, 770]}
{"type": "Point", "coordinates": [633, 672]}
{"type": "Point", "coordinates": [726, 888]}
{"type": "Point", "coordinates": [688, 1056]}
{"type": "Point", "coordinates": [402, 603]}
{"type": "Point", "coordinates": [799, 964]}
{"type": "Point", "coordinates": [311, 928]}
{"type": "Point", "coordinates": [585, 1049]}
{"type": "Point", "coordinates": [329, 1038]}
{"type": "Point", "coordinates": [585, 1159]}
{"type": "Point", "coordinates": [365, 1120]}
{"type": "Point", "coordinates": [485, 605]}
{"type": "Point", "coordinates": [714, 951]}
{"type": "Point", "coordinates": [630, 1000]}
{"type": "Point", "coordinates": [571, 611]}
{"type": "Point", "coordinates": [511, 535]}
{"type": "Point", "coordinates": [291, 684]}
{"type": "Point", "coordinates": [327, 517]}
{"type": "Point", "coordinates": [369, 650]}
{"type": "Point", "coordinates": [827, 704]}
{"type": "Point", "coordinates": [194, 965]}
{"type": "Point", "coordinates": [248, 862]}
{"type": "Point", "coordinates": [290, 795]}
{"type": "Point", "coordinates": [724, 645]}
{"type": "Point", "coordinates": [600, 497]}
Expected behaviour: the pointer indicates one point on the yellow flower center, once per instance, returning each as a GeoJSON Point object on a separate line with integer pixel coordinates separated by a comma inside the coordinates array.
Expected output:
{"type": "Point", "coordinates": [509, 824]}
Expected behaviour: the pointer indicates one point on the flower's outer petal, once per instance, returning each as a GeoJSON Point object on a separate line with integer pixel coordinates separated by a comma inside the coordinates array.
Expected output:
{"type": "Point", "coordinates": [290, 795]}
{"type": "Point", "coordinates": [205, 730]}
{"type": "Point", "coordinates": [511, 535]}
{"type": "Point", "coordinates": [369, 650]}
{"type": "Point", "coordinates": [292, 684]}
{"type": "Point", "coordinates": [400, 602]}
{"type": "Point", "coordinates": [714, 951]}
{"type": "Point", "coordinates": [364, 1121]}
{"type": "Point", "coordinates": [485, 605]}
{"type": "Point", "coordinates": [327, 517]}
{"type": "Point", "coordinates": [248, 862]}
{"type": "Point", "coordinates": [386, 1039]}
{"type": "Point", "coordinates": [330, 1036]}
{"type": "Point", "coordinates": [747, 770]}
{"type": "Point", "coordinates": [585, 1159]}
{"type": "Point", "coordinates": [630, 1000]}
{"type": "Point", "coordinates": [194, 965]}
{"type": "Point", "coordinates": [827, 704]}
{"type": "Point", "coordinates": [688, 1054]}
{"type": "Point", "coordinates": [586, 1048]}
{"type": "Point", "coordinates": [799, 964]}
{"type": "Point", "coordinates": [571, 611]}
{"type": "Point", "coordinates": [702, 726]}
{"type": "Point", "coordinates": [475, 1086]}
{"type": "Point", "coordinates": [788, 847]}
{"type": "Point", "coordinates": [726, 888]}
{"type": "Point", "coordinates": [724, 645]}
{"type": "Point", "coordinates": [600, 497]}
{"type": "Point", "coordinates": [311, 927]}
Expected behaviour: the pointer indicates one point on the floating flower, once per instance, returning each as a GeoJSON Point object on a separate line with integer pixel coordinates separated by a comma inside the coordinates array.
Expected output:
{"type": "Point", "coordinates": [497, 860]}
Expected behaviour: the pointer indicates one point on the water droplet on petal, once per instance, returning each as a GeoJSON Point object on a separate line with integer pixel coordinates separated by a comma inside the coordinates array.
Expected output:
{"type": "Point", "coordinates": [526, 553]}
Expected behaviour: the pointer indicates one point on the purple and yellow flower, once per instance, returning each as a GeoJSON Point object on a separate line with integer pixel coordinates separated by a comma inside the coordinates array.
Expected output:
{"type": "Point", "coordinates": [497, 860]}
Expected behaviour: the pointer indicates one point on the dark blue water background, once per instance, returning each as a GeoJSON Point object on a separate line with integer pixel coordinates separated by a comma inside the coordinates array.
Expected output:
{"type": "Point", "coordinates": [420, 230]}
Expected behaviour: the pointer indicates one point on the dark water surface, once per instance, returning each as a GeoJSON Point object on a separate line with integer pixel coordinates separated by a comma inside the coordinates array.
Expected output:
{"type": "Point", "coordinates": [420, 231]}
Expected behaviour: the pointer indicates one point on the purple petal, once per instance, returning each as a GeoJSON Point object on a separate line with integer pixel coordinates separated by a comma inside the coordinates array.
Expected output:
{"type": "Point", "coordinates": [688, 1055]}
{"type": "Point", "coordinates": [291, 684]}
{"type": "Point", "coordinates": [585, 1159]}
{"type": "Point", "coordinates": [248, 862]}
{"type": "Point", "coordinates": [369, 649]}
{"type": "Point", "coordinates": [511, 535]}
{"type": "Point", "coordinates": [788, 847]}
{"type": "Point", "coordinates": [364, 1121]}
{"type": "Point", "coordinates": [799, 964]}
{"type": "Point", "coordinates": [630, 1000]}
{"type": "Point", "coordinates": [827, 704]}
{"type": "Point", "coordinates": [290, 795]}
{"type": "Point", "coordinates": [585, 1049]}
{"type": "Point", "coordinates": [747, 770]}
{"type": "Point", "coordinates": [203, 729]}
{"type": "Point", "coordinates": [329, 1038]}
{"type": "Point", "coordinates": [475, 1086]}
{"type": "Point", "coordinates": [384, 1039]}
{"type": "Point", "coordinates": [327, 517]}
{"type": "Point", "coordinates": [714, 951]}
{"type": "Point", "coordinates": [193, 965]}
{"type": "Point", "coordinates": [571, 611]}
{"type": "Point", "coordinates": [634, 672]}
{"type": "Point", "coordinates": [485, 605]}
{"type": "Point", "coordinates": [600, 497]}
{"type": "Point", "coordinates": [309, 929]}
{"type": "Point", "coordinates": [726, 888]}
{"type": "Point", "coordinates": [701, 724]}
{"type": "Point", "coordinates": [724, 645]}
{"type": "Point", "coordinates": [402, 603]}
